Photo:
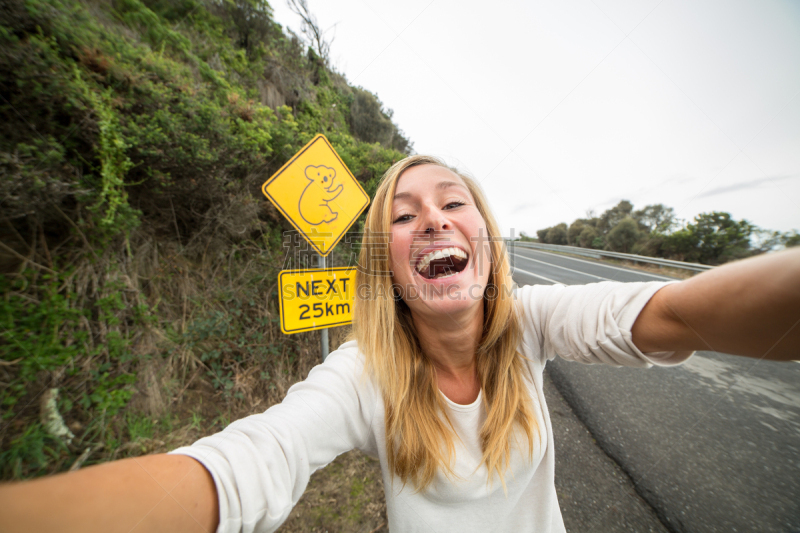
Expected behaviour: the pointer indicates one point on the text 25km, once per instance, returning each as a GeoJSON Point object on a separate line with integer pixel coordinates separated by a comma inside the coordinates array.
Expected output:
{"type": "Point", "coordinates": [321, 310]}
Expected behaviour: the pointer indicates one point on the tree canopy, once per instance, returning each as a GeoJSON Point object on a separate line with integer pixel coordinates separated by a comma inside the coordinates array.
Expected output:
{"type": "Point", "coordinates": [710, 238]}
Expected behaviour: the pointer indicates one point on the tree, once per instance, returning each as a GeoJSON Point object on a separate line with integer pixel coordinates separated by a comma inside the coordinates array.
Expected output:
{"type": "Point", "coordinates": [574, 232]}
{"type": "Point", "coordinates": [587, 237]}
{"type": "Point", "coordinates": [252, 20]}
{"type": "Point", "coordinates": [369, 121]}
{"type": "Point", "coordinates": [791, 238]}
{"type": "Point", "coordinates": [721, 238]}
{"type": "Point", "coordinates": [714, 238]}
{"type": "Point", "coordinates": [656, 217]}
{"type": "Point", "coordinates": [612, 217]}
{"type": "Point", "coordinates": [764, 240]}
{"type": "Point", "coordinates": [311, 29]}
{"type": "Point", "coordinates": [650, 244]}
{"type": "Point", "coordinates": [624, 235]}
{"type": "Point", "coordinates": [681, 245]}
{"type": "Point", "coordinates": [557, 234]}
{"type": "Point", "coordinates": [591, 219]}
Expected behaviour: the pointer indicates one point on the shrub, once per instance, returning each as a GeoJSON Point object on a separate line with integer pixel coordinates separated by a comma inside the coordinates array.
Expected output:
{"type": "Point", "coordinates": [587, 236]}
{"type": "Point", "coordinates": [623, 236]}
{"type": "Point", "coordinates": [557, 234]}
{"type": "Point", "coordinates": [574, 232]}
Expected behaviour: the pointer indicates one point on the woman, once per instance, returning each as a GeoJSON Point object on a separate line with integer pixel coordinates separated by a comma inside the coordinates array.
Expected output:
{"type": "Point", "coordinates": [442, 382]}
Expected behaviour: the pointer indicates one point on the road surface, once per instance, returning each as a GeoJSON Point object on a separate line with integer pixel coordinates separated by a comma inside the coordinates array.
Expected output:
{"type": "Point", "coordinates": [711, 446]}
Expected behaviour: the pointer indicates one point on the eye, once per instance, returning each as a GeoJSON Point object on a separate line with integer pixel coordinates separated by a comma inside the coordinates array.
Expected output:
{"type": "Point", "coordinates": [454, 204]}
{"type": "Point", "coordinates": [402, 218]}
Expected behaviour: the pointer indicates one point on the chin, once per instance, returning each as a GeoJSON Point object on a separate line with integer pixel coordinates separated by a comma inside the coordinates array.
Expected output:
{"type": "Point", "coordinates": [444, 296]}
{"type": "Point", "coordinates": [443, 309]}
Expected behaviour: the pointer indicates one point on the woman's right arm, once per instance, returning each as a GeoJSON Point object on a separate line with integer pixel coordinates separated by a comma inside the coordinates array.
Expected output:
{"type": "Point", "coordinates": [169, 493]}
{"type": "Point", "coordinates": [244, 478]}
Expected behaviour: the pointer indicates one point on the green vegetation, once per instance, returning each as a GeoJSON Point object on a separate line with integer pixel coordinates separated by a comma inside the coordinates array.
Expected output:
{"type": "Point", "coordinates": [138, 257]}
{"type": "Point", "coordinates": [346, 495]}
{"type": "Point", "coordinates": [711, 238]}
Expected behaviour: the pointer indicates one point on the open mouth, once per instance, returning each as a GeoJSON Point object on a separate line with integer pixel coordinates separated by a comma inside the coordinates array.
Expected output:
{"type": "Point", "coordinates": [442, 263]}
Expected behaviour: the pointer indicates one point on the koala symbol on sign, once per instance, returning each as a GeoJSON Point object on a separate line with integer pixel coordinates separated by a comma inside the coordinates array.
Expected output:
{"type": "Point", "coordinates": [313, 204]}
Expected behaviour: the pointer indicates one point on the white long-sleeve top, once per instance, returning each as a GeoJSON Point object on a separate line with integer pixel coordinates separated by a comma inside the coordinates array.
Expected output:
{"type": "Point", "coordinates": [261, 464]}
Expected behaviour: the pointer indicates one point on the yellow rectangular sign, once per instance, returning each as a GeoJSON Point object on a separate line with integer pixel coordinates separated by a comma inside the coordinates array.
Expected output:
{"type": "Point", "coordinates": [318, 194]}
{"type": "Point", "coordinates": [316, 299]}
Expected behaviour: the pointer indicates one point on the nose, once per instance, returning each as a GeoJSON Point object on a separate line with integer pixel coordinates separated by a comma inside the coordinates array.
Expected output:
{"type": "Point", "coordinates": [436, 221]}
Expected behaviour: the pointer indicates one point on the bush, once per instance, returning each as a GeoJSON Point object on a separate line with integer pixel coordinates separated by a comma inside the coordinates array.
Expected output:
{"type": "Point", "coordinates": [574, 232]}
{"type": "Point", "coordinates": [369, 122]}
{"type": "Point", "coordinates": [623, 236]}
{"type": "Point", "coordinates": [712, 239]}
{"type": "Point", "coordinates": [557, 235]}
{"type": "Point", "coordinates": [587, 237]}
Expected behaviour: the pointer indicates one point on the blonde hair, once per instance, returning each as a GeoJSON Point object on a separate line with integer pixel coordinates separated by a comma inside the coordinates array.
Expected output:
{"type": "Point", "coordinates": [419, 435]}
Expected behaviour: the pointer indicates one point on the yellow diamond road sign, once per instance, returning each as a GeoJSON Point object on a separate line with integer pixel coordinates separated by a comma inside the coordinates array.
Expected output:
{"type": "Point", "coordinates": [316, 299]}
{"type": "Point", "coordinates": [318, 194]}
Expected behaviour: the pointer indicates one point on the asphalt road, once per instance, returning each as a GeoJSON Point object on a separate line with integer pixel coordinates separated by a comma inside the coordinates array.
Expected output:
{"type": "Point", "coordinates": [710, 446]}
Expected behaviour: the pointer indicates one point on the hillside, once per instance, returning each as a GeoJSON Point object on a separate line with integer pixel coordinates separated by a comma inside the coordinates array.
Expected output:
{"type": "Point", "coordinates": [138, 257]}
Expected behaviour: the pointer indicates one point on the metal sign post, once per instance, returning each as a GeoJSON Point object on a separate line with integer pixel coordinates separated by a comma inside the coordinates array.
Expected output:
{"type": "Point", "coordinates": [323, 333]}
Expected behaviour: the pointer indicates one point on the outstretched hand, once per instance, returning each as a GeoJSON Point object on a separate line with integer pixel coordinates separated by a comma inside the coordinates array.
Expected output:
{"type": "Point", "coordinates": [169, 493]}
{"type": "Point", "coordinates": [750, 308]}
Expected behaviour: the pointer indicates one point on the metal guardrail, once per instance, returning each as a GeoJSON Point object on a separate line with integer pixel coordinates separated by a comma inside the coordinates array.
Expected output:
{"type": "Point", "coordinates": [597, 254]}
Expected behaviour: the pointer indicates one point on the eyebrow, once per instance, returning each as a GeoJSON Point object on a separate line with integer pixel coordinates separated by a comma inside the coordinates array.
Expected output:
{"type": "Point", "coordinates": [441, 186]}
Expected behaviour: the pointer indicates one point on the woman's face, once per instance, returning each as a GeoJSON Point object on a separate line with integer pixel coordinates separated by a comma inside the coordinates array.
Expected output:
{"type": "Point", "coordinates": [439, 251]}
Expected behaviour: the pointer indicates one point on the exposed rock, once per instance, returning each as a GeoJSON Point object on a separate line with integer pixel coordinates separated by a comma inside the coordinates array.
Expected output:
{"type": "Point", "coordinates": [51, 418]}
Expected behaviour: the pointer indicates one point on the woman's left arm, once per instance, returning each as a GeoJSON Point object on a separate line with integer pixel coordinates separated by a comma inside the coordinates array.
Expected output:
{"type": "Point", "coordinates": [751, 308]}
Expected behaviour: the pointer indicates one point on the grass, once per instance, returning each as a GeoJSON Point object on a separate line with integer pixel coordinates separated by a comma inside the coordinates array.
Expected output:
{"type": "Point", "coordinates": [347, 495]}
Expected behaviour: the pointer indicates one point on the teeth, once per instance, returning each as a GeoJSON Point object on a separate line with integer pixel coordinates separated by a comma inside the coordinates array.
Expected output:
{"type": "Point", "coordinates": [440, 254]}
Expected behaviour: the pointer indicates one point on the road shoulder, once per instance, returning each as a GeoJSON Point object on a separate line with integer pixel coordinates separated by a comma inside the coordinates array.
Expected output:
{"type": "Point", "coordinates": [594, 493]}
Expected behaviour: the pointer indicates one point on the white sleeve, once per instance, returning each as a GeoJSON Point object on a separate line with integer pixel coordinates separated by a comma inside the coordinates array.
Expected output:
{"type": "Point", "coordinates": [261, 464]}
{"type": "Point", "coordinates": [589, 323]}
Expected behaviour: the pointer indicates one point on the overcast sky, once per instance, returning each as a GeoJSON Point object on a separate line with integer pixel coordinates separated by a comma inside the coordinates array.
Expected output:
{"type": "Point", "coordinates": [565, 106]}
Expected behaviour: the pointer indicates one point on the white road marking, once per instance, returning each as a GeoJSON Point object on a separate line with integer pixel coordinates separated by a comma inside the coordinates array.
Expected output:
{"type": "Point", "coordinates": [562, 268]}
{"type": "Point", "coordinates": [542, 277]}
{"type": "Point", "coordinates": [629, 271]}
